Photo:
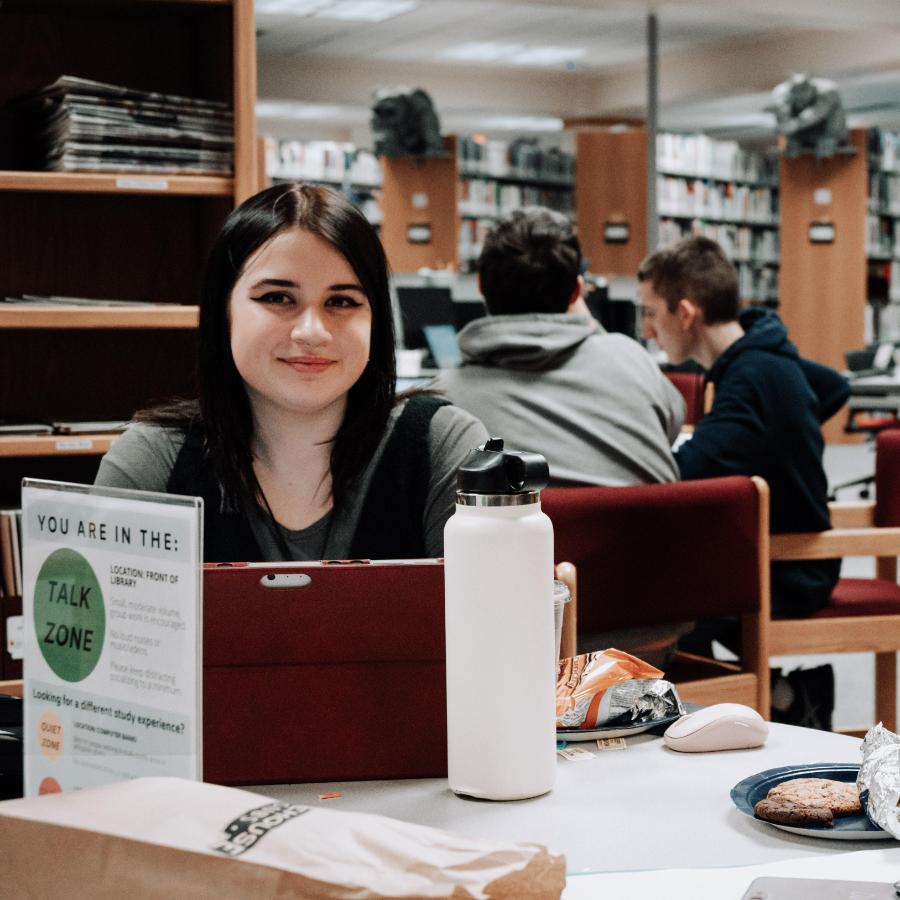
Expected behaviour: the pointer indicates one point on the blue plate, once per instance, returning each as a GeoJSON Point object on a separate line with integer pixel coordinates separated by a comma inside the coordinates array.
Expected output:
{"type": "Point", "coordinates": [613, 731]}
{"type": "Point", "coordinates": [747, 793]}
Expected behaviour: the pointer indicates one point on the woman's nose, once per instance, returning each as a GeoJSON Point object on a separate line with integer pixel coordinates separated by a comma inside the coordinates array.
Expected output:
{"type": "Point", "coordinates": [309, 328]}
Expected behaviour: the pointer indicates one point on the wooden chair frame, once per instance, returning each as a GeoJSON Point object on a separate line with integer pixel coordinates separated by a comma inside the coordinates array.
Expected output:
{"type": "Point", "coordinates": [853, 534]}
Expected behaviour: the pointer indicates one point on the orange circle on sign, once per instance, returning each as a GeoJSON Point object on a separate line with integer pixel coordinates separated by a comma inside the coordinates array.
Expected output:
{"type": "Point", "coordinates": [49, 786]}
{"type": "Point", "coordinates": [50, 735]}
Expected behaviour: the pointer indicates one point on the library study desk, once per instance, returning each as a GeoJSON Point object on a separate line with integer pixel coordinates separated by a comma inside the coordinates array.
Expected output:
{"type": "Point", "coordinates": [644, 807]}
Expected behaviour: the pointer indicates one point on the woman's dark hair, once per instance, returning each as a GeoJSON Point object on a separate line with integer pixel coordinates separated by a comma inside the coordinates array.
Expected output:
{"type": "Point", "coordinates": [223, 404]}
{"type": "Point", "coordinates": [530, 263]}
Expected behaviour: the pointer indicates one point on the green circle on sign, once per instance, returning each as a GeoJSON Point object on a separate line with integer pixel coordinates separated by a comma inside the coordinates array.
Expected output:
{"type": "Point", "coordinates": [69, 615]}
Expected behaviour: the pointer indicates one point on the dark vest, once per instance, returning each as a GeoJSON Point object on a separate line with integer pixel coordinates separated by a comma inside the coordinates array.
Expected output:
{"type": "Point", "coordinates": [391, 522]}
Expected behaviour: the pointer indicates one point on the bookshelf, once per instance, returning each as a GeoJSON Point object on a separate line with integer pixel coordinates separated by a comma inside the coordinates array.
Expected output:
{"type": "Point", "coordinates": [704, 186]}
{"type": "Point", "coordinates": [720, 190]}
{"type": "Point", "coordinates": [822, 283]}
{"type": "Point", "coordinates": [496, 177]}
{"type": "Point", "coordinates": [343, 166]}
{"type": "Point", "coordinates": [125, 236]}
{"type": "Point", "coordinates": [883, 233]}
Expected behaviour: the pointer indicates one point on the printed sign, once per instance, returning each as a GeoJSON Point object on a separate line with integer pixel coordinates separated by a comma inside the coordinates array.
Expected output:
{"type": "Point", "coordinates": [111, 614]}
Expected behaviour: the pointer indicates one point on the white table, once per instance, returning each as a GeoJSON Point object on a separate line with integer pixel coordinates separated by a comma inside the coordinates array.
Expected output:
{"type": "Point", "coordinates": [645, 807]}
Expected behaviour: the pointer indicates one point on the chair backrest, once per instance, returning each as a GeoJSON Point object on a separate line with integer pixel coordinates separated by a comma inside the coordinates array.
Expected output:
{"type": "Point", "coordinates": [690, 386]}
{"type": "Point", "coordinates": [661, 553]}
{"type": "Point", "coordinates": [887, 478]}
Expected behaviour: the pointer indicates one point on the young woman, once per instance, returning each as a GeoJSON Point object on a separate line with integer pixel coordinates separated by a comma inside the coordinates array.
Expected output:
{"type": "Point", "coordinates": [298, 443]}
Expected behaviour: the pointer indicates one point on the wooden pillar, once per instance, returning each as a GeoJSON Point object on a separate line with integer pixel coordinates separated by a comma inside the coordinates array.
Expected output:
{"type": "Point", "coordinates": [822, 285]}
{"type": "Point", "coordinates": [611, 198]}
{"type": "Point", "coordinates": [421, 219]}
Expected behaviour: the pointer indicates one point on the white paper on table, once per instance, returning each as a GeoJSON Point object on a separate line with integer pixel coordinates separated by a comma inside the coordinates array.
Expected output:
{"type": "Point", "coordinates": [716, 884]}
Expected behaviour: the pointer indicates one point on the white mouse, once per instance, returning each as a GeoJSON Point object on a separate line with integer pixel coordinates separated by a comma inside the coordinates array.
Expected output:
{"type": "Point", "coordinates": [722, 726]}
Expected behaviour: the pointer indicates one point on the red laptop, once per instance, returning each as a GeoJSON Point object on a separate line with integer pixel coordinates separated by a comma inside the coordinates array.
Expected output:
{"type": "Point", "coordinates": [323, 671]}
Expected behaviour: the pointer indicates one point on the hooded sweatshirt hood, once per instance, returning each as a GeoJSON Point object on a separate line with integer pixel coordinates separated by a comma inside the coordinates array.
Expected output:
{"type": "Point", "coordinates": [530, 342]}
{"type": "Point", "coordinates": [763, 330]}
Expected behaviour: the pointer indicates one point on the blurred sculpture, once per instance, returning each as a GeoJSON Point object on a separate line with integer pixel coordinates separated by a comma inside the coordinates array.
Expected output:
{"type": "Point", "coordinates": [809, 114]}
{"type": "Point", "coordinates": [405, 123]}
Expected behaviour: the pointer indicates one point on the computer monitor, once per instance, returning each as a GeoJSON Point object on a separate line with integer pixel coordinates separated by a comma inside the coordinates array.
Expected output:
{"type": "Point", "coordinates": [465, 311]}
{"type": "Point", "coordinates": [423, 306]}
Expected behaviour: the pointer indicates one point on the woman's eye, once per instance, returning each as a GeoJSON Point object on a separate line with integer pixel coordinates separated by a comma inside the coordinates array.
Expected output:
{"type": "Point", "coordinates": [343, 302]}
{"type": "Point", "coordinates": [274, 297]}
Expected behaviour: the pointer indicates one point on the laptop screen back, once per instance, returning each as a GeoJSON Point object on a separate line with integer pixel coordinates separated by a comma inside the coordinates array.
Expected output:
{"type": "Point", "coordinates": [442, 343]}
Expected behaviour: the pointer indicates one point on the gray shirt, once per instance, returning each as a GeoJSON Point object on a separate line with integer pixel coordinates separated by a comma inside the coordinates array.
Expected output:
{"type": "Point", "coordinates": [594, 404]}
{"type": "Point", "coordinates": [144, 456]}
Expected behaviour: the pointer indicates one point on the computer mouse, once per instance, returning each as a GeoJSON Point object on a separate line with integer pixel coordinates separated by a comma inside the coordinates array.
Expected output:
{"type": "Point", "coordinates": [722, 726]}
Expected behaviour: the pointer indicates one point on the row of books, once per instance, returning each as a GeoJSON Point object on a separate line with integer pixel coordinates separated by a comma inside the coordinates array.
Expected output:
{"type": "Point", "coordinates": [884, 193]}
{"type": "Point", "coordinates": [58, 300]}
{"type": "Point", "coordinates": [882, 237]}
{"type": "Point", "coordinates": [487, 198]}
{"type": "Point", "coordinates": [329, 161]}
{"type": "Point", "coordinates": [700, 156]}
{"type": "Point", "coordinates": [741, 243]}
{"type": "Point", "coordinates": [11, 552]}
{"type": "Point", "coordinates": [522, 158]}
{"type": "Point", "coordinates": [78, 125]}
{"type": "Point", "coordinates": [741, 202]}
{"type": "Point", "coordinates": [884, 150]}
{"type": "Point", "coordinates": [13, 426]}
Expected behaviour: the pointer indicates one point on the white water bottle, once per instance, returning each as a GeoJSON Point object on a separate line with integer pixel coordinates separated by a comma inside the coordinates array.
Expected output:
{"type": "Point", "coordinates": [501, 672]}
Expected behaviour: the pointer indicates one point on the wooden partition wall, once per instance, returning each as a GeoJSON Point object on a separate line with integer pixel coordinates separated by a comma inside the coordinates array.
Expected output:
{"type": "Point", "coordinates": [611, 198]}
{"type": "Point", "coordinates": [822, 278]}
{"type": "Point", "coordinates": [421, 219]}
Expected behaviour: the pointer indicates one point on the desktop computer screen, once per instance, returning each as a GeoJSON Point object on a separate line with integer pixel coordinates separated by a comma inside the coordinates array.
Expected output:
{"type": "Point", "coordinates": [421, 306]}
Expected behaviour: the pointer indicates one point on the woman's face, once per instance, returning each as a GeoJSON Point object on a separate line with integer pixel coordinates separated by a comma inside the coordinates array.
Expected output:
{"type": "Point", "coordinates": [300, 325]}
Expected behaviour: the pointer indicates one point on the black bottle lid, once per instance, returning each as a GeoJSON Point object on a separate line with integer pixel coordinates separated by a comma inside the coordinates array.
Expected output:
{"type": "Point", "coordinates": [490, 469]}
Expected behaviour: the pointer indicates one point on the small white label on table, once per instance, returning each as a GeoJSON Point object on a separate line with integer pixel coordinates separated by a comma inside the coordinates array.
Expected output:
{"type": "Point", "coordinates": [142, 184]}
{"type": "Point", "coordinates": [611, 743]}
{"type": "Point", "coordinates": [111, 607]}
{"type": "Point", "coordinates": [578, 754]}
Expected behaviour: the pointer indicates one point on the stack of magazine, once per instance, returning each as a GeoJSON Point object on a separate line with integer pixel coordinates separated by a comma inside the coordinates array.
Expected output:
{"type": "Point", "coordinates": [76, 125]}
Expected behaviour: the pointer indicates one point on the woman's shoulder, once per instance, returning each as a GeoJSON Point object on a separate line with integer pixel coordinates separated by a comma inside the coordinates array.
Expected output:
{"type": "Point", "coordinates": [445, 419]}
{"type": "Point", "coordinates": [142, 457]}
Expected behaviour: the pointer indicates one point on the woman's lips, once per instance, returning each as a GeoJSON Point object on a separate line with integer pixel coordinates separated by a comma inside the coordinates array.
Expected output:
{"type": "Point", "coordinates": [309, 364]}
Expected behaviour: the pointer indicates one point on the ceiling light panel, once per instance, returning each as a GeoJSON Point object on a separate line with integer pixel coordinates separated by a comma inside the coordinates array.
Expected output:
{"type": "Point", "coordinates": [546, 56]}
{"type": "Point", "coordinates": [482, 51]}
{"type": "Point", "coordinates": [289, 7]}
{"type": "Point", "coordinates": [366, 10]}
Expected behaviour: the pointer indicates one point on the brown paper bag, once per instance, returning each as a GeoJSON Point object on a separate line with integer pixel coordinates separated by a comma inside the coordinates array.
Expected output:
{"type": "Point", "coordinates": [168, 837]}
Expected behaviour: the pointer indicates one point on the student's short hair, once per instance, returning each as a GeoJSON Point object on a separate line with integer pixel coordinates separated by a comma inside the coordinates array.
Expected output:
{"type": "Point", "coordinates": [530, 263]}
{"type": "Point", "coordinates": [695, 268]}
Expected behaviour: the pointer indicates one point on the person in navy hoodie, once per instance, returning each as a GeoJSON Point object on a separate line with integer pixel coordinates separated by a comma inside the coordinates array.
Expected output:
{"type": "Point", "coordinates": [768, 406]}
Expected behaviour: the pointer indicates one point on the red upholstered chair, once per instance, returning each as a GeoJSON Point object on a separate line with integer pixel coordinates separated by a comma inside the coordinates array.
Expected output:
{"type": "Point", "coordinates": [864, 613]}
{"type": "Point", "coordinates": [668, 553]}
{"type": "Point", "coordinates": [690, 386]}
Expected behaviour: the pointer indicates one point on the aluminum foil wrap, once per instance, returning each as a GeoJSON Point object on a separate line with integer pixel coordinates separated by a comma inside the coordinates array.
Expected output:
{"type": "Point", "coordinates": [612, 688]}
{"type": "Point", "coordinates": [879, 778]}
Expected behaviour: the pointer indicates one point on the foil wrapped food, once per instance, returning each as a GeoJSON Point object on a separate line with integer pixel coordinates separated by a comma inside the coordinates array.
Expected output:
{"type": "Point", "coordinates": [611, 687]}
{"type": "Point", "coordinates": [879, 778]}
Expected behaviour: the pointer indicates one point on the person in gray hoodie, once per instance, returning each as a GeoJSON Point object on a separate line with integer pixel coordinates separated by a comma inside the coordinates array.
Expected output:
{"type": "Point", "coordinates": [542, 374]}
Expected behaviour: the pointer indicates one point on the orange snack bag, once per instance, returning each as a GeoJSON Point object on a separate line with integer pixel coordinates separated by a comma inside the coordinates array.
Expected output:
{"type": "Point", "coordinates": [583, 682]}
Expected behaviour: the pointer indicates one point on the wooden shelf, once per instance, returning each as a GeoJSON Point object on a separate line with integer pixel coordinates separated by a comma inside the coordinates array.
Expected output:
{"type": "Point", "coordinates": [696, 176]}
{"type": "Point", "coordinates": [24, 445]}
{"type": "Point", "coordinates": [666, 213]}
{"type": "Point", "coordinates": [82, 317]}
{"type": "Point", "coordinates": [118, 183]}
{"type": "Point", "coordinates": [523, 180]}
